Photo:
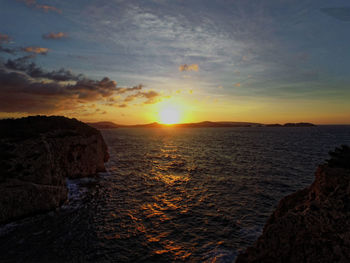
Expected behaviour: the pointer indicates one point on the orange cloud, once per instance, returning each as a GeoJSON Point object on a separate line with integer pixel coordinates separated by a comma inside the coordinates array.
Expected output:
{"type": "Point", "coordinates": [54, 35]}
{"type": "Point", "coordinates": [192, 67]}
{"type": "Point", "coordinates": [150, 96]}
{"type": "Point", "coordinates": [45, 8]}
{"type": "Point", "coordinates": [48, 8]}
{"type": "Point", "coordinates": [36, 50]}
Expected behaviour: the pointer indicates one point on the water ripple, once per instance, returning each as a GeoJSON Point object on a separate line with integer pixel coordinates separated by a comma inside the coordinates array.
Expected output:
{"type": "Point", "coordinates": [175, 195]}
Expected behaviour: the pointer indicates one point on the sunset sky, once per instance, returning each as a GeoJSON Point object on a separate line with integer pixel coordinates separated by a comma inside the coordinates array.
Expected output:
{"type": "Point", "coordinates": [134, 61]}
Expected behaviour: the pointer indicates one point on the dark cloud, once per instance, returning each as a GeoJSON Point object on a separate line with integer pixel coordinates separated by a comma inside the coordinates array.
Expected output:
{"type": "Point", "coordinates": [124, 90]}
{"type": "Point", "coordinates": [7, 50]}
{"type": "Point", "coordinates": [91, 90]}
{"type": "Point", "coordinates": [23, 64]}
{"type": "Point", "coordinates": [340, 13]}
{"type": "Point", "coordinates": [19, 93]}
{"type": "Point", "coordinates": [45, 8]}
{"type": "Point", "coordinates": [57, 35]}
{"type": "Point", "coordinates": [25, 87]}
{"type": "Point", "coordinates": [83, 90]}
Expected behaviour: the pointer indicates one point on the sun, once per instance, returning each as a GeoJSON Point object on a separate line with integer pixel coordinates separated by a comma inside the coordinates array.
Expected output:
{"type": "Point", "coordinates": [169, 115]}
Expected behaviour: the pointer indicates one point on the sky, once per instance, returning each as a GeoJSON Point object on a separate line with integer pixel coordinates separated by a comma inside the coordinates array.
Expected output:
{"type": "Point", "coordinates": [134, 61]}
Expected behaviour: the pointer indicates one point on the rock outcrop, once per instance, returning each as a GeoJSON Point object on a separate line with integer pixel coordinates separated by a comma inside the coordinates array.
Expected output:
{"type": "Point", "coordinates": [37, 155]}
{"type": "Point", "coordinates": [311, 225]}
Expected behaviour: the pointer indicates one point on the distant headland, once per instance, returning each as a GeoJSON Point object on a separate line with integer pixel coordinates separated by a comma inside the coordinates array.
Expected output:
{"type": "Point", "coordinates": [204, 124]}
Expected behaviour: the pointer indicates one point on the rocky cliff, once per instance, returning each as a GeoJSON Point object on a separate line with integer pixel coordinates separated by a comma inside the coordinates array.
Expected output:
{"type": "Point", "coordinates": [311, 225]}
{"type": "Point", "coordinates": [37, 155]}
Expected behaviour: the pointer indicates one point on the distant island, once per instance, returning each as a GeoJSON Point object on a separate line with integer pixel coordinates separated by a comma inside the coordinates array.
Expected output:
{"type": "Point", "coordinates": [112, 125]}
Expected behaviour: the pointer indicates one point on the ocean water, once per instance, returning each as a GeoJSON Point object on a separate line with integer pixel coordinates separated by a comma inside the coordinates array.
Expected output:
{"type": "Point", "coordinates": [175, 195]}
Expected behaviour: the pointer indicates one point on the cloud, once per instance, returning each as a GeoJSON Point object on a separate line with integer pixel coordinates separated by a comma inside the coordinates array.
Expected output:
{"type": "Point", "coordinates": [21, 93]}
{"type": "Point", "coordinates": [45, 8]}
{"type": "Point", "coordinates": [124, 90]}
{"type": "Point", "coordinates": [340, 13]}
{"type": "Point", "coordinates": [149, 95]}
{"type": "Point", "coordinates": [48, 8]}
{"type": "Point", "coordinates": [24, 87]}
{"type": "Point", "coordinates": [185, 67]}
{"type": "Point", "coordinates": [57, 35]}
{"type": "Point", "coordinates": [4, 38]}
{"type": "Point", "coordinates": [36, 50]}
{"type": "Point", "coordinates": [90, 90]}
{"type": "Point", "coordinates": [23, 64]}
{"type": "Point", "coordinates": [7, 50]}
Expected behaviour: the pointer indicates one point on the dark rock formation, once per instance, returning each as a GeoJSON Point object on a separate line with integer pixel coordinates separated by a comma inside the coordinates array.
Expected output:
{"type": "Point", "coordinates": [37, 155]}
{"type": "Point", "coordinates": [104, 125]}
{"type": "Point", "coordinates": [299, 124]}
{"type": "Point", "coordinates": [273, 125]}
{"type": "Point", "coordinates": [340, 157]}
{"type": "Point", "coordinates": [311, 225]}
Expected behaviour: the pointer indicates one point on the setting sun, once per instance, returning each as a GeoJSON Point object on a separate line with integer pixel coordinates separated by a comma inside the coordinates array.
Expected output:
{"type": "Point", "coordinates": [169, 115]}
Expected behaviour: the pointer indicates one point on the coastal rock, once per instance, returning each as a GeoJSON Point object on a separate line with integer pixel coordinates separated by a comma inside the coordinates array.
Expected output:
{"type": "Point", "coordinates": [37, 155]}
{"type": "Point", "coordinates": [313, 224]}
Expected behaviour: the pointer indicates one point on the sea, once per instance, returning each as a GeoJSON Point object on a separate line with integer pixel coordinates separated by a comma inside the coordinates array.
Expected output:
{"type": "Point", "coordinates": [175, 195]}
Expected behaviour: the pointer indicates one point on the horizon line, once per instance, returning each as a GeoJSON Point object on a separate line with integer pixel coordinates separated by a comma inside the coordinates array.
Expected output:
{"type": "Point", "coordinates": [262, 123]}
